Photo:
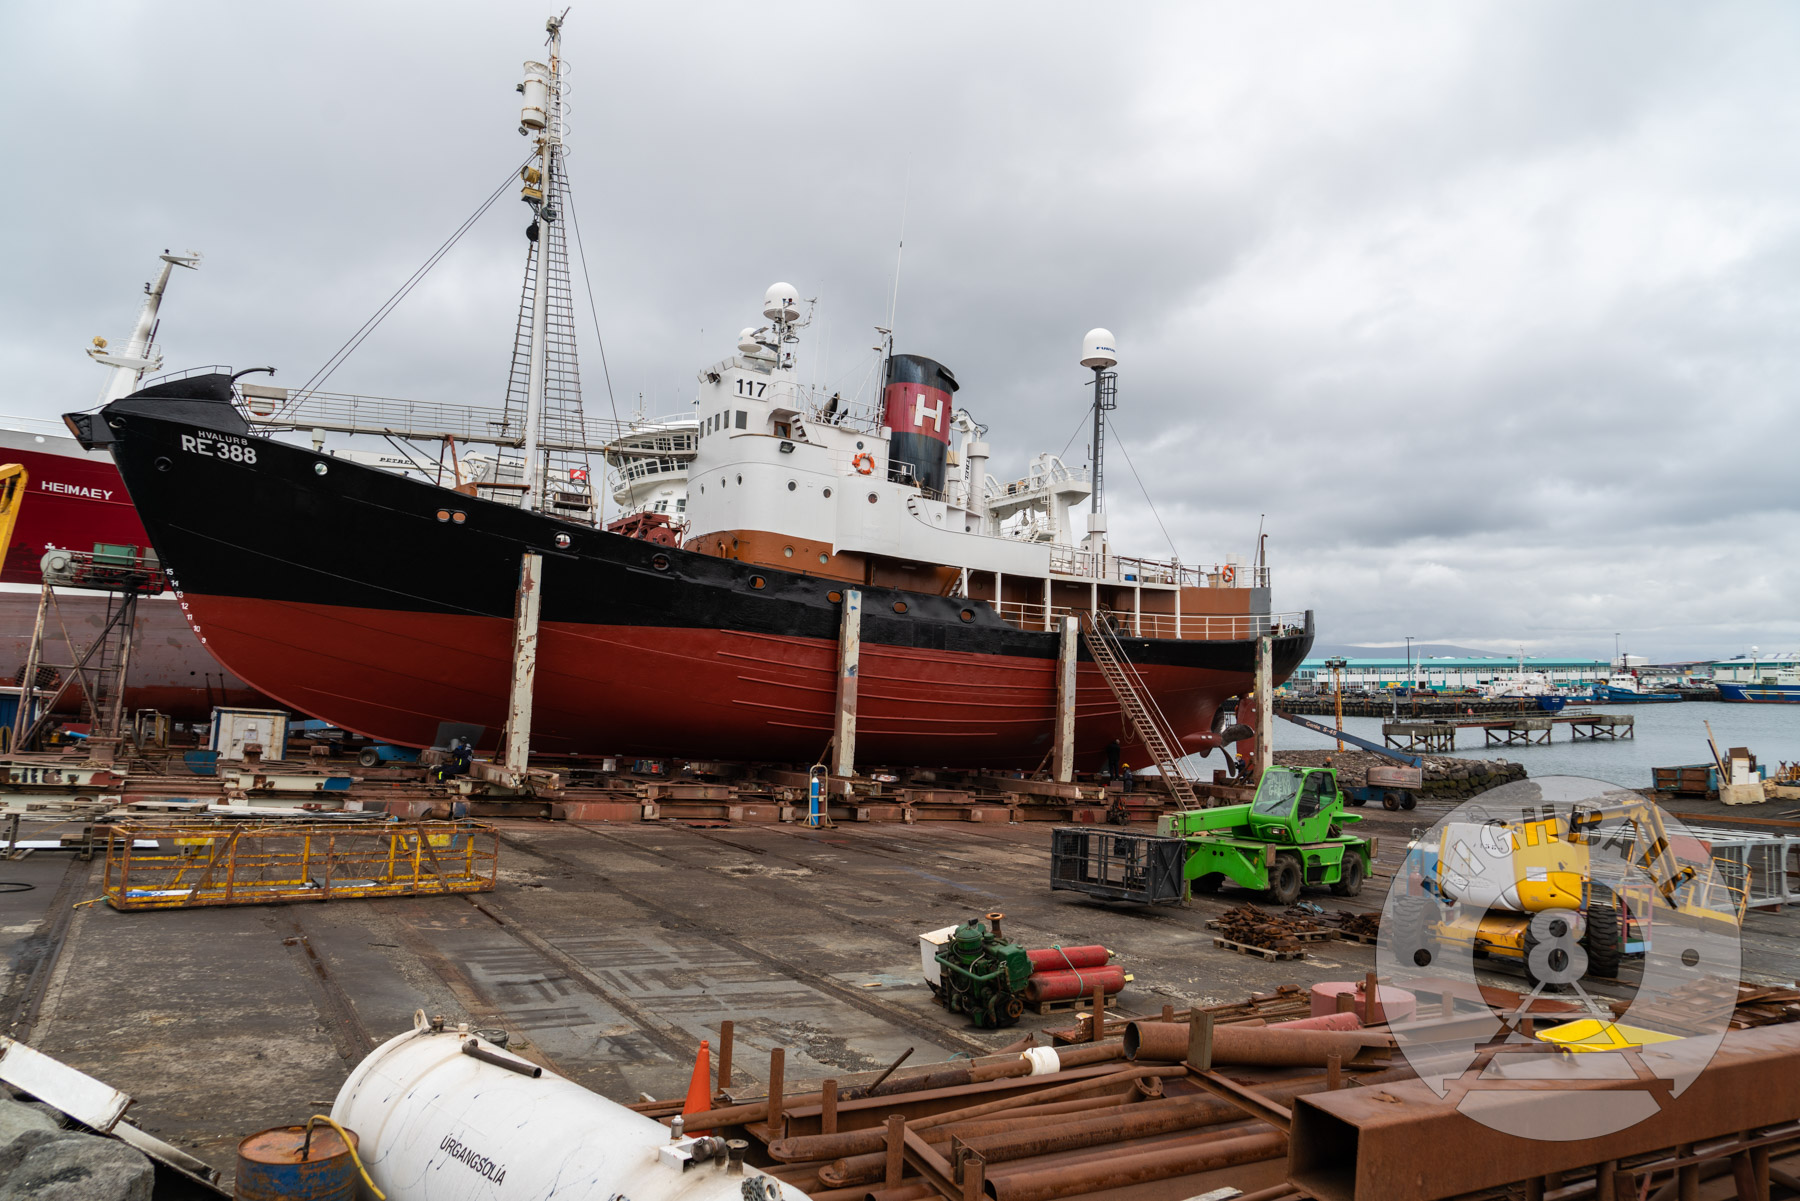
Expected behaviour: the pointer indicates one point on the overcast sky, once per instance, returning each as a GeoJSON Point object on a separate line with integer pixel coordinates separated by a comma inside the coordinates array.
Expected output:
{"type": "Point", "coordinates": [1491, 309]}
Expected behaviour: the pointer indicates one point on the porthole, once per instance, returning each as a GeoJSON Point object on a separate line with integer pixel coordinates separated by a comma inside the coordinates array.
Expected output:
{"type": "Point", "coordinates": [741, 480]}
{"type": "Point", "coordinates": [824, 557]}
{"type": "Point", "coordinates": [162, 462]}
{"type": "Point", "coordinates": [443, 515]}
{"type": "Point", "coordinates": [320, 468]}
{"type": "Point", "coordinates": [859, 446]}
{"type": "Point", "coordinates": [872, 498]}
{"type": "Point", "coordinates": [967, 615]}
{"type": "Point", "coordinates": [834, 597]}
{"type": "Point", "coordinates": [459, 517]}
{"type": "Point", "coordinates": [828, 494]}
{"type": "Point", "coordinates": [899, 606]}
{"type": "Point", "coordinates": [660, 562]}
{"type": "Point", "coordinates": [562, 542]}
{"type": "Point", "coordinates": [792, 485]}
{"type": "Point", "coordinates": [787, 552]}
{"type": "Point", "coordinates": [757, 581]}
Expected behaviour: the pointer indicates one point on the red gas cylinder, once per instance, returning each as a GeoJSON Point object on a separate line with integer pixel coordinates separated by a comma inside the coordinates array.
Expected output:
{"type": "Point", "coordinates": [1064, 959]}
{"type": "Point", "coordinates": [1064, 986]}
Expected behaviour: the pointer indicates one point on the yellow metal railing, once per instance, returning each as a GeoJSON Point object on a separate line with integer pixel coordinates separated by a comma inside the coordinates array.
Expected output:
{"type": "Point", "coordinates": [252, 864]}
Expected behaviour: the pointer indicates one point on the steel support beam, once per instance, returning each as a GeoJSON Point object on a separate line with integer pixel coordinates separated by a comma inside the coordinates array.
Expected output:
{"type": "Point", "coordinates": [849, 657]}
{"type": "Point", "coordinates": [1265, 704]}
{"type": "Point", "coordinates": [1063, 751]}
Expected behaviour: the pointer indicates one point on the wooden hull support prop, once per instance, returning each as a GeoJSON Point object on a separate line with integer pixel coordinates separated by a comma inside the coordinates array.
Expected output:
{"type": "Point", "coordinates": [849, 656]}
{"type": "Point", "coordinates": [1063, 753]}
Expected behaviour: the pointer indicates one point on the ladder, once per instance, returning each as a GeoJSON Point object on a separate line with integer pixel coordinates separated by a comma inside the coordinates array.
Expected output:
{"type": "Point", "coordinates": [1140, 709]}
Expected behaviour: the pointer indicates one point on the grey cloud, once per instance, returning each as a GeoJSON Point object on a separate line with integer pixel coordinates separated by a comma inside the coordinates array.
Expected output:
{"type": "Point", "coordinates": [1488, 308]}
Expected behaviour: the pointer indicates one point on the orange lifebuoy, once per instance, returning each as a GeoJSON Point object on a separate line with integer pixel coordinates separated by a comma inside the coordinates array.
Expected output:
{"type": "Point", "coordinates": [1228, 573]}
{"type": "Point", "coordinates": [864, 463]}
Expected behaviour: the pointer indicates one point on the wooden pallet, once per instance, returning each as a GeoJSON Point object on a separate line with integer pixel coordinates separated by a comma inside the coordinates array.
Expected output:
{"type": "Point", "coordinates": [1295, 935]}
{"type": "Point", "coordinates": [1264, 952]}
{"type": "Point", "coordinates": [1084, 1004]}
{"type": "Point", "coordinates": [1367, 940]}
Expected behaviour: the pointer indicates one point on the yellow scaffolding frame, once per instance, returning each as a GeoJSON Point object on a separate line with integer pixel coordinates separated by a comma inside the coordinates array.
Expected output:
{"type": "Point", "coordinates": [256, 863]}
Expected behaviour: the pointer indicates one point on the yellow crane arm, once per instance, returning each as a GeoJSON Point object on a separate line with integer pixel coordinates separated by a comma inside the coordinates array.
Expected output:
{"type": "Point", "coordinates": [12, 491]}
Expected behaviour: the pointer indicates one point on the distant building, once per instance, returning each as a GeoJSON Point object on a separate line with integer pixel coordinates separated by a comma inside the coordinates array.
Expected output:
{"type": "Point", "coordinates": [1448, 672]}
{"type": "Point", "coordinates": [1747, 669]}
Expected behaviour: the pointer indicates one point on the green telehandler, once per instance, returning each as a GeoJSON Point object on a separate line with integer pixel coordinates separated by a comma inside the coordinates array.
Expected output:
{"type": "Point", "coordinates": [1291, 836]}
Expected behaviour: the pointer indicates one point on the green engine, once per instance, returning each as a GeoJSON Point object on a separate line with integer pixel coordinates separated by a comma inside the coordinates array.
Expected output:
{"type": "Point", "coordinates": [983, 975]}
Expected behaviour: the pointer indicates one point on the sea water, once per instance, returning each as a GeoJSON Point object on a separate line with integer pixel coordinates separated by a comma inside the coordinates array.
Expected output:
{"type": "Point", "coordinates": [1668, 733]}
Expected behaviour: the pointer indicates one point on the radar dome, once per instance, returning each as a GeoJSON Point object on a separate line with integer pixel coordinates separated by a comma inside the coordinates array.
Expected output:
{"type": "Point", "coordinates": [1097, 349]}
{"type": "Point", "coordinates": [781, 303]}
{"type": "Point", "coordinates": [747, 343]}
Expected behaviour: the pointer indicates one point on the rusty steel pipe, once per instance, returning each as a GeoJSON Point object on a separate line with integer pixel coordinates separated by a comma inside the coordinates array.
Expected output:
{"type": "Point", "coordinates": [991, 1138]}
{"type": "Point", "coordinates": [870, 1140]}
{"type": "Point", "coordinates": [1144, 1121]}
{"type": "Point", "coordinates": [1082, 1054]}
{"type": "Point", "coordinates": [1120, 1171]}
{"type": "Point", "coordinates": [942, 1078]}
{"type": "Point", "coordinates": [1260, 1047]}
{"type": "Point", "coordinates": [914, 1190]}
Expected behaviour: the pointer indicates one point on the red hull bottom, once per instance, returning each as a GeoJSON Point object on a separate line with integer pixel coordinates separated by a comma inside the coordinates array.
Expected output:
{"type": "Point", "coordinates": [170, 671]}
{"type": "Point", "coordinates": [407, 677]}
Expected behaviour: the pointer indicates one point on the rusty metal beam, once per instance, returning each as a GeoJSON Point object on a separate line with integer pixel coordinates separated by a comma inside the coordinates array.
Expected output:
{"type": "Point", "coordinates": [1362, 1144]}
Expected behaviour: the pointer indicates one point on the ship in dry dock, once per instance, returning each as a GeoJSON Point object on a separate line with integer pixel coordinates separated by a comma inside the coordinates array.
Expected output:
{"type": "Point", "coordinates": [720, 636]}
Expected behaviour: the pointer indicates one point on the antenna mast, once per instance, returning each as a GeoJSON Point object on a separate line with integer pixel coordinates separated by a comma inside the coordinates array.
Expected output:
{"type": "Point", "coordinates": [129, 368]}
{"type": "Point", "coordinates": [543, 395]}
{"type": "Point", "coordinates": [1097, 352]}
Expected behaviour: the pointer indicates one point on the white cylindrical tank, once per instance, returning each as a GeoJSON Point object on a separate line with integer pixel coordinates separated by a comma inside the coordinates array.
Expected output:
{"type": "Point", "coordinates": [781, 303]}
{"type": "Point", "coordinates": [534, 113]}
{"type": "Point", "coordinates": [1097, 349]}
{"type": "Point", "coordinates": [436, 1124]}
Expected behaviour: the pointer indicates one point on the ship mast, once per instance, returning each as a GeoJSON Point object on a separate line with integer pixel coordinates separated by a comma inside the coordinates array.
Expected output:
{"type": "Point", "coordinates": [1097, 352]}
{"type": "Point", "coordinates": [543, 100]}
{"type": "Point", "coordinates": [129, 368]}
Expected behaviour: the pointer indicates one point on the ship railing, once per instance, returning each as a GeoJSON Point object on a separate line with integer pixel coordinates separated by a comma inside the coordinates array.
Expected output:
{"type": "Point", "coordinates": [277, 409]}
{"type": "Point", "coordinates": [1127, 569]}
{"type": "Point", "coordinates": [1028, 616]}
{"type": "Point", "coordinates": [1199, 627]}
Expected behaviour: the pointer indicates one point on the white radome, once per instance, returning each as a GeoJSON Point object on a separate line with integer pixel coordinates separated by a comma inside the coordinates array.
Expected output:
{"type": "Point", "coordinates": [1097, 349]}
{"type": "Point", "coordinates": [747, 343]}
{"type": "Point", "coordinates": [781, 303]}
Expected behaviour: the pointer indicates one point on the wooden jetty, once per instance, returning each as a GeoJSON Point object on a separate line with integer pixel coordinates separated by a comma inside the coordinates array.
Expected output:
{"type": "Point", "coordinates": [1439, 734]}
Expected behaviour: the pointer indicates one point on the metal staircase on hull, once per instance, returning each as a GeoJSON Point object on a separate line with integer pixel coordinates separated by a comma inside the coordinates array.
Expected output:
{"type": "Point", "coordinates": [1141, 712]}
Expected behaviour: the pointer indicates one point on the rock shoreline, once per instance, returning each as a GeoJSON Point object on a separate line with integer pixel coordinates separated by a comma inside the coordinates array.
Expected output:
{"type": "Point", "coordinates": [1445, 776]}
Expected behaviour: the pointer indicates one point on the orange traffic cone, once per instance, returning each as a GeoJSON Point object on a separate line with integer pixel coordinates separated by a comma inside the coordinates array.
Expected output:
{"type": "Point", "coordinates": [699, 1094]}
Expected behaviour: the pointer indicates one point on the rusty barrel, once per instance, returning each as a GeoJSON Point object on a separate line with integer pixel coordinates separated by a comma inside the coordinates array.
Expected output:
{"type": "Point", "coordinates": [282, 1165]}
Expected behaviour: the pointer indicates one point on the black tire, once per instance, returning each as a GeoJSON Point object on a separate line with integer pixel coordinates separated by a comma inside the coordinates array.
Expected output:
{"type": "Point", "coordinates": [370, 757]}
{"type": "Point", "coordinates": [1209, 882]}
{"type": "Point", "coordinates": [1412, 931]}
{"type": "Point", "coordinates": [1408, 801]}
{"type": "Point", "coordinates": [1389, 802]}
{"type": "Point", "coordinates": [1604, 939]}
{"type": "Point", "coordinates": [1530, 944]}
{"type": "Point", "coordinates": [1360, 801]}
{"type": "Point", "coordinates": [1285, 878]}
{"type": "Point", "coordinates": [1351, 881]}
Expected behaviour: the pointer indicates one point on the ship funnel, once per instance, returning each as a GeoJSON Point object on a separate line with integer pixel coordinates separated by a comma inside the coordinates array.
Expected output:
{"type": "Point", "coordinates": [918, 409]}
{"type": "Point", "coordinates": [1097, 349]}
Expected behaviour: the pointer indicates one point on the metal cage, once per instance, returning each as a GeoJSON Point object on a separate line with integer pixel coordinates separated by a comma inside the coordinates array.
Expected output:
{"type": "Point", "coordinates": [1117, 866]}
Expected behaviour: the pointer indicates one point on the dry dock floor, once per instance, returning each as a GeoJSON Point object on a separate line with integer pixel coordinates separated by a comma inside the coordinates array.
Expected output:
{"type": "Point", "coordinates": [608, 952]}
